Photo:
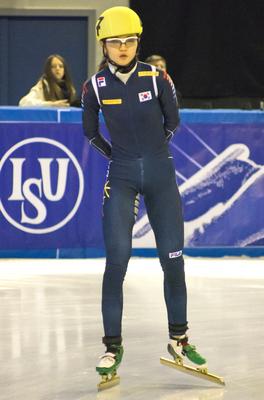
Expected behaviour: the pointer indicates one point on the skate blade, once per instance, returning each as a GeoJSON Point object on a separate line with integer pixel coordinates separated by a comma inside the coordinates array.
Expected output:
{"type": "Point", "coordinates": [107, 383]}
{"type": "Point", "coordinates": [199, 373]}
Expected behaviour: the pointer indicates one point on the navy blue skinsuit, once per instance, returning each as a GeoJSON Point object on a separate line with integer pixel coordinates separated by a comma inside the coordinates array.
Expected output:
{"type": "Point", "coordinates": [141, 116]}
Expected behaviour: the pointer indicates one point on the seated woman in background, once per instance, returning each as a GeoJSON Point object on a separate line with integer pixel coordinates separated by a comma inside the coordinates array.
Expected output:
{"type": "Point", "coordinates": [54, 88]}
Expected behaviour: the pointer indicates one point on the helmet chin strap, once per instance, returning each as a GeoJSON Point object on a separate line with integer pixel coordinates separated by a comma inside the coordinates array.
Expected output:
{"type": "Point", "coordinates": [123, 69]}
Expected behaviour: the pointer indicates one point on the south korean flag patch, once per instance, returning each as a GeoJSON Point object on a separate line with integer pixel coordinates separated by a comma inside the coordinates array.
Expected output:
{"type": "Point", "coordinates": [145, 96]}
{"type": "Point", "coordinates": [101, 81]}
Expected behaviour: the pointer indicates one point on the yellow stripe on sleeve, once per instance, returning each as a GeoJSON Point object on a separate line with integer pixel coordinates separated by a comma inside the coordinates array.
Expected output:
{"type": "Point", "coordinates": [148, 73]}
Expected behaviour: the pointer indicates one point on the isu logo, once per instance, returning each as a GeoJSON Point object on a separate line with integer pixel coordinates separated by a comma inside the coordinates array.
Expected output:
{"type": "Point", "coordinates": [32, 196]}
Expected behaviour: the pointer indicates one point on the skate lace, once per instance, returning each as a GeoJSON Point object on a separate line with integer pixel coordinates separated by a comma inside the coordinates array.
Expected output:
{"type": "Point", "coordinates": [108, 356]}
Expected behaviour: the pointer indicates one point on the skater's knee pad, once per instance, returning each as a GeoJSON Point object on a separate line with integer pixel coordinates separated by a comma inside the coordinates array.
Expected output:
{"type": "Point", "coordinates": [173, 270]}
{"type": "Point", "coordinates": [172, 263]}
{"type": "Point", "coordinates": [115, 271]}
{"type": "Point", "coordinates": [170, 255]}
{"type": "Point", "coordinates": [119, 255]}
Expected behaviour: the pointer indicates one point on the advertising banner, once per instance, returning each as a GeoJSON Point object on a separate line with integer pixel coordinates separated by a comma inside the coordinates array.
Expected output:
{"type": "Point", "coordinates": [51, 184]}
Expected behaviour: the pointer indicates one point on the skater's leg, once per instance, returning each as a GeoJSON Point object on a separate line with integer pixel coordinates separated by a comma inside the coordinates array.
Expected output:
{"type": "Point", "coordinates": [164, 211]}
{"type": "Point", "coordinates": [165, 215]}
{"type": "Point", "coordinates": [118, 220]}
{"type": "Point", "coordinates": [119, 209]}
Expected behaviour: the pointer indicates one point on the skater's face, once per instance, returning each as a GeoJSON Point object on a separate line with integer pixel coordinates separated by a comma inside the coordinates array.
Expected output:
{"type": "Point", "coordinates": [122, 49]}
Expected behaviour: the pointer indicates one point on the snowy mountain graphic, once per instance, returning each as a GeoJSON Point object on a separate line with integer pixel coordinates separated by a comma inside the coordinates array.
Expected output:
{"type": "Point", "coordinates": [212, 201]}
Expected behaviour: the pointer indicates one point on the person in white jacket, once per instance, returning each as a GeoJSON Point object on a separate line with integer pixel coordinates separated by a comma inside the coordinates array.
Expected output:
{"type": "Point", "coordinates": [54, 88]}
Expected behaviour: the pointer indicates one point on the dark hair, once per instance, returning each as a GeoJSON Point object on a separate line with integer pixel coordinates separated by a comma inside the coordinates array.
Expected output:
{"type": "Point", "coordinates": [154, 57]}
{"type": "Point", "coordinates": [103, 64]}
{"type": "Point", "coordinates": [53, 91]}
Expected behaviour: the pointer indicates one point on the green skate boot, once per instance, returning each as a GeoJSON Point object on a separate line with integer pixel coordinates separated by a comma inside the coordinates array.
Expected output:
{"type": "Point", "coordinates": [107, 367]}
{"type": "Point", "coordinates": [190, 352]}
{"type": "Point", "coordinates": [179, 347]}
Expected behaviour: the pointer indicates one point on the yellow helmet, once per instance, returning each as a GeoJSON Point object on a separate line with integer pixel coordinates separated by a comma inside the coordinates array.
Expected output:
{"type": "Point", "coordinates": [118, 21]}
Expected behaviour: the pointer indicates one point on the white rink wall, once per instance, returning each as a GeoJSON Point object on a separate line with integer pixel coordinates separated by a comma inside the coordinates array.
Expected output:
{"type": "Point", "coordinates": [225, 267]}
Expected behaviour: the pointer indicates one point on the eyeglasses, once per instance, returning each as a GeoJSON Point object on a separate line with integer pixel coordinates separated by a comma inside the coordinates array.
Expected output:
{"type": "Point", "coordinates": [116, 43]}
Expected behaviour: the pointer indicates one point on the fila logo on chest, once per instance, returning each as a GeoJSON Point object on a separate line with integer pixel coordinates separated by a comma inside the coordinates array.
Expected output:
{"type": "Point", "coordinates": [101, 81]}
{"type": "Point", "coordinates": [145, 96]}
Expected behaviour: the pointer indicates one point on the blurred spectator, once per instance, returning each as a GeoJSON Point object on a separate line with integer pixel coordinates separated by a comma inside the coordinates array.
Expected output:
{"type": "Point", "coordinates": [160, 62]}
{"type": "Point", "coordinates": [54, 88]}
{"type": "Point", "coordinates": [157, 61]}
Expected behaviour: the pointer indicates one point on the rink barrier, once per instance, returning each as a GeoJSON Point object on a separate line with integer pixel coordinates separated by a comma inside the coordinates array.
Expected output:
{"type": "Point", "coordinates": [74, 115]}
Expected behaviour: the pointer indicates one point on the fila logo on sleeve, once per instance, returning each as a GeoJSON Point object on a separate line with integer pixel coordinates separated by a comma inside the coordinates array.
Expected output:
{"type": "Point", "coordinates": [101, 81]}
{"type": "Point", "coordinates": [145, 96]}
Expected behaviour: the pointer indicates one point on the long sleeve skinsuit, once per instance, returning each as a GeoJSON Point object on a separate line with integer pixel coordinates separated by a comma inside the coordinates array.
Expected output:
{"type": "Point", "coordinates": [141, 116]}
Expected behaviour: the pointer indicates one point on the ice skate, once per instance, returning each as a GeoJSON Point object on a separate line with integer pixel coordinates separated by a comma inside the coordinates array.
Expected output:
{"type": "Point", "coordinates": [107, 367]}
{"type": "Point", "coordinates": [179, 348]}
